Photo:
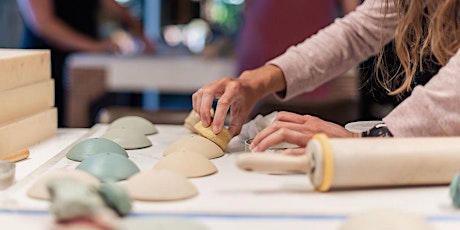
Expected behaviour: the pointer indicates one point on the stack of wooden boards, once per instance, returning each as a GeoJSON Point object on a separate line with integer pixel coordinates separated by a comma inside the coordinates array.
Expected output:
{"type": "Point", "coordinates": [27, 112]}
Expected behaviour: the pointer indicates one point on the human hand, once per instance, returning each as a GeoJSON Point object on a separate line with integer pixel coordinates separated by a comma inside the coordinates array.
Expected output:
{"type": "Point", "coordinates": [108, 46]}
{"type": "Point", "coordinates": [237, 95]}
{"type": "Point", "coordinates": [296, 129]}
{"type": "Point", "coordinates": [233, 94]}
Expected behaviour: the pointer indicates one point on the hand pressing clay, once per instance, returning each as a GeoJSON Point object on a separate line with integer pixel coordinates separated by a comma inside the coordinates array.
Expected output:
{"type": "Point", "coordinates": [197, 144]}
{"type": "Point", "coordinates": [221, 139]}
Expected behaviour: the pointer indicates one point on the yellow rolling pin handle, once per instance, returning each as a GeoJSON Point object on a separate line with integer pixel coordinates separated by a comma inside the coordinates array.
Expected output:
{"type": "Point", "coordinates": [15, 156]}
{"type": "Point", "coordinates": [328, 163]}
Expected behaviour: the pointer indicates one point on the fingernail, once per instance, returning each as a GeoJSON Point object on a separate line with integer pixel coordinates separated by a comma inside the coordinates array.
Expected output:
{"type": "Point", "coordinates": [255, 149]}
{"type": "Point", "coordinates": [215, 129]}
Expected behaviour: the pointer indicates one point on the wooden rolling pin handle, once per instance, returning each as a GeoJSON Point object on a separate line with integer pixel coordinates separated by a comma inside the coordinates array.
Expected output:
{"type": "Point", "coordinates": [15, 156]}
{"type": "Point", "coordinates": [273, 163]}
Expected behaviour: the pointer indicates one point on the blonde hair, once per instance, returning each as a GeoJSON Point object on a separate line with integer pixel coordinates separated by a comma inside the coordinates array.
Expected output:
{"type": "Point", "coordinates": [439, 40]}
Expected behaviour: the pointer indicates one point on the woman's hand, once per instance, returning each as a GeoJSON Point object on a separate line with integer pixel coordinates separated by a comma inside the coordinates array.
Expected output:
{"type": "Point", "coordinates": [296, 129]}
{"type": "Point", "coordinates": [239, 95]}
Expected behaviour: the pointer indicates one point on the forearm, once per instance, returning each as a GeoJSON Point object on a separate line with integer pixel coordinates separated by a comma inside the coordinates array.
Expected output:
{"type": "Point", "coordinates": [264, 80]}
{"type": "Point", "coordinates": [122, 14]}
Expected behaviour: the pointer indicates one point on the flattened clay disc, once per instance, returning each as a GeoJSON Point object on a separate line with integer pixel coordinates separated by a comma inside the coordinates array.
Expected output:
{"type": "Point", "coordinates": [159, 185]}
{"type": "Point", "coordinates": [197, 144]}
{"type": "Point", "coordinates": [162, 223]}
{"type": "Point", "coordinates": [189, 164]}
{"type": "Point", "coordinates": [385, 219]}
{"type": "Point", "coordinates": [127, 138]}
{"type": "Point", "coordinates": [38, 190]}
{"type": "Point", "coordinates": [93, 146]}
{"type": "Point", "coordinates": [221, 139]}
{"type": "Point", "coordinates": [108, 167]}
{"type": "Point", "coordinates": [137, 123]}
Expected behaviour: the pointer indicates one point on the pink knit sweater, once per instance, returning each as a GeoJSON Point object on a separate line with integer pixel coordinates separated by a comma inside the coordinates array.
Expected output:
{"type": "Point", "coordinates": [431, 110]}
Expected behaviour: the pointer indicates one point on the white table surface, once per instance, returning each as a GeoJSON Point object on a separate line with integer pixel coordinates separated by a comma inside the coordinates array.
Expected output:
{"type": "Point", "coordinates": [229, 199]}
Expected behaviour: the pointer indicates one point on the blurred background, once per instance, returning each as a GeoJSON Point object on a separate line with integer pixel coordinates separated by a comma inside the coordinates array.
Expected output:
{"type": "Point", "coordinates": [202, 39]}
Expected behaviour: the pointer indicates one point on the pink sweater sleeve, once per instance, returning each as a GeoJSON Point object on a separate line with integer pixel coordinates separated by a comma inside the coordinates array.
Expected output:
{"type": "Point", "coordinates": [433, 109]}
{"type": "Point", "coordinates": [337, 48]}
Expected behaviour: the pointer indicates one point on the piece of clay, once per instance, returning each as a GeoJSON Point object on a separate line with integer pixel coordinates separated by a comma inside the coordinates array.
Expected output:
{"type": "Point", "coordinates": [189, 164]}
{"type": "Point", "coordinates": [162, 223]}
{"type": "Point", "coordinates": [38, 190]}
{"type": "Point", "coordinates": [108, 167]}
{"type": "Point", "coordinates": [73, 199]}
{"type": "Point", "coordinates": [454, 191]}
{"type": "Point", "coordinates": [383, 219]}
{"type": "Point", "coordinates": [7, 174]}
{"type": "Point", "coordinates": [221, 139]}
{"type": "Point", "coordinates": [159, 185]}
{"type": "Point", "coordinates": [93, 146]}
{"type": "Point", "coordinates": [197, 144]}
{"type": "Point", "coordinates": [127, 138]}
{"type": "Point", "coordinates": [116, 197]}
{"type": "Point", "coordinates": [137, 123]}
{"type": "Point", "coordinates": [191, 120]}
{"type": "Point", "coordinates": [275, 148]}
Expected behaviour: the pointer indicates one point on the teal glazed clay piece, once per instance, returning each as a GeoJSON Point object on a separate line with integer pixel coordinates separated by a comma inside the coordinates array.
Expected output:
{"type": "Point", "coordinates": [116, 197]}
{"type": "Point", "coordinates": [127, 138]}
{"type": "Point", "coordinates": [92, 146]}
{"type": "Point", "coordinates": [108, 167]}
{"type": "Point", "coordinates": [455, 190]}
{"type": "Point", "coordinates": [137, 123]}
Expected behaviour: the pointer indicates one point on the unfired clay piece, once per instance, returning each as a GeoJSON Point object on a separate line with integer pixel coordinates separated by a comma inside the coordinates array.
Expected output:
{"type": "Point", "coordinates": [137, 123]}
{"type": "Point", "coordinates": [191, 120]}
{"type": "Point", "coordinates": [189, 164]}
{"type": "Point", "coordinates": [197, 144]}
{"type": "Point", "coordinates": [161, 223]}
{"type": "Point", "coordinates": [127, 138]}
{"type": "Point", "coordinates": [108, 167]}
{"type": "Point", "coordinates": [116, 197]}
{"type": "Point", "coordinates": [7, 174]}
{"type": "Point", "coordinates": [92, 146]}
{"type": "Point", "coordinates": [159, 185]}
{"type": "Point", "coordinates": [221, 139]}
{"type": "Point", "coordinates": [39, 191]}
{"type": "Point", "coordinates": [73, 199]}
{"type": "Point", "coordinates": [385, 219]}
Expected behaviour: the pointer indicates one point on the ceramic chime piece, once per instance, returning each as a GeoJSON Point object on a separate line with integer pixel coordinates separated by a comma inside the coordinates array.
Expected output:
{"type": "Point", "coordinates": [38, 190]}
{"type": "Point", "coordinates": [159, 185]}
{"type": "Point", "coordinates": [189, 164]}
{"type": "Point", "coordinates": [137, 123]}
{"type": "Point", "coordinates": [108, 167]}
{"type": "Point", "coordinates": [197, 144]}
{"type": "Point", "coordinates": [93, 146]}
{"type": "Point", "coordinates": [128, 138]}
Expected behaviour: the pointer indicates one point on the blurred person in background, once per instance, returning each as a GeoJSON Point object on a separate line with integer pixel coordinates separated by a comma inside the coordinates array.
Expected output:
{"type": "Point", "coordinates": [269, 27]}
{"type": "Point", "coordinates": [68, 26]}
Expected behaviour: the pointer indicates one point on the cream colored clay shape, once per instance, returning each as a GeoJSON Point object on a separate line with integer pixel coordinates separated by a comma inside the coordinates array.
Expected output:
{"type": "Point", "coordinates": [38, 190]}
{"type": "Point", "coordinates": [383, 219]}
{"type": "Point", "coordinates": [159, 185]}
{"type": "Point", "coordinates": [137, 123]}
{"type": "Point", "coordinates": [197, 144]}
{"type": "Point", "coordinates": [127, 138]}
{"type": "Point", "coordinates": [192, 119]}
{"type": "Point", "coordinates": [189, 164]}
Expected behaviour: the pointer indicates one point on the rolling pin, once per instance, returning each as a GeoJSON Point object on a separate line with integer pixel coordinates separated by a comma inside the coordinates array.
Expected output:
{"type": "Point", "coordinates": [344, 163]}
{"type": "Point", "coordinates": [15, 156]}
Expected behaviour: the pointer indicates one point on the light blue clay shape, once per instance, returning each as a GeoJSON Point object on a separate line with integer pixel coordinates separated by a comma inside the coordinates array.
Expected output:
{"type": "Point", "coordinates": [137, 123]}
{"type": "Point", "coordinates": [92, 146]}
{"type": "Point", "coordinates": [108, 167]}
